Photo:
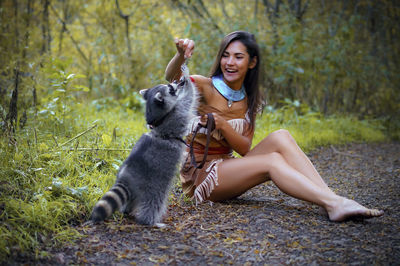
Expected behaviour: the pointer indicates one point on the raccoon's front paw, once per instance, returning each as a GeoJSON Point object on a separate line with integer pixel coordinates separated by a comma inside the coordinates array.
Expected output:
{"type": "Point", "coordinates": [160, 225]}
{"type": "Point", "coordinates": [89, 223]}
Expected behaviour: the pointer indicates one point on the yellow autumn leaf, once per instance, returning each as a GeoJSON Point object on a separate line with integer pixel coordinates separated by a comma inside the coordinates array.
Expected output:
{"type": "Point", "coordinates": [106, 139]}
{"type": "Point", "coordinates": [43, 147]}
{"type": "Point", "coordinates": [294, 244]}
{"type": "Point", "coordinates": [18, 156]}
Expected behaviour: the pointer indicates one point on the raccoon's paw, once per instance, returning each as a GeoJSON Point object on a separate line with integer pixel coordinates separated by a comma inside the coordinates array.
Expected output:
{"type": "Point", "coordinates": [89, 223]}
{"type": "Point", "coordinates": [97, 217]}
{"type": "Point", "coordinates": [160, 225]}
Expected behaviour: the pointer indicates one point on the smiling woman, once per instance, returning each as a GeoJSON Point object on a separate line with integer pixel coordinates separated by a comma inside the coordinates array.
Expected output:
{"type": "Point", "coordinates": [232, 95]}
{"type": "Point", "coordinates": [235, 62]}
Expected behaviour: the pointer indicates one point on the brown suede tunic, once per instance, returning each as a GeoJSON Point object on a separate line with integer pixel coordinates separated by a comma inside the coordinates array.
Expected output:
{"type": "Point", "coordinates": [199, 183]}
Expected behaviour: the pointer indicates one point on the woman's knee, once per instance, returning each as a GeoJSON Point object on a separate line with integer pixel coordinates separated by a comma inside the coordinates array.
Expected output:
{"type": "Point", "coordinates": [281, 138]}
{"type": "Point", "coordinates": [281, 134]}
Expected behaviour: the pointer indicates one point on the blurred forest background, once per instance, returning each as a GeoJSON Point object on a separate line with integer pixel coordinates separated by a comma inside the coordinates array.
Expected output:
{"type": "Point", "coordinates": [336, 56]}
{"type": "Point", "coordinates": [70, 72]}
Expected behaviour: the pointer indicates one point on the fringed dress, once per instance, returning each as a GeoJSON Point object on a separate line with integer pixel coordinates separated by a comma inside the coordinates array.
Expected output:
{"type": "Point", "coordinates": [199, 183]}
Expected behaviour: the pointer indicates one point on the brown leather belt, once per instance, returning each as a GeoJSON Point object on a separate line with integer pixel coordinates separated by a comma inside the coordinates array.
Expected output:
{"type": "Point", "coordinates": [211, 150]}
{"type": "Point", "coordinates": [210, 127]}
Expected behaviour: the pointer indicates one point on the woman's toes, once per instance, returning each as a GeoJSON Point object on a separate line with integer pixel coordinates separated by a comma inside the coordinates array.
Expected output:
{"type": "Point", "coordinates": [348, 209]}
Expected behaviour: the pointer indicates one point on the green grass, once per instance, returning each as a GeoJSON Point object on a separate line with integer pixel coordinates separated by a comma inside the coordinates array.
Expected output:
{"type": "Point", "coordinates": [49, 183]}
{"type": "Point", "coordinates": [46, 187]}
{"type": "Point", "coordinates": [312, 130]}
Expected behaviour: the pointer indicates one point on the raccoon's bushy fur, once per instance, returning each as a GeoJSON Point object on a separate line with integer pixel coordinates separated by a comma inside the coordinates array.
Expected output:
{"type": "Point", "coordinates": [144, 179]}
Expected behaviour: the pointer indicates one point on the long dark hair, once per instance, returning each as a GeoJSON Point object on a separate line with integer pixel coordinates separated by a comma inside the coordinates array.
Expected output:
{"type": "Point", "coordinates": [251, 81]}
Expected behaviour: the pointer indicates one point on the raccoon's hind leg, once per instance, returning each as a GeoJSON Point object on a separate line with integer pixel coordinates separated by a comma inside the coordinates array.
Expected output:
{"type": "Point", "coordinates": [150, 212]}
{"type": "Point", "coordinates": [129, 207]}
{"type": "Point", "coordinates": [114, 199]}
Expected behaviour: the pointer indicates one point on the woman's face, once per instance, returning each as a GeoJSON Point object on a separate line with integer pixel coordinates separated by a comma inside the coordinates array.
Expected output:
{"type": "Point", "coordinates": [235, 62]}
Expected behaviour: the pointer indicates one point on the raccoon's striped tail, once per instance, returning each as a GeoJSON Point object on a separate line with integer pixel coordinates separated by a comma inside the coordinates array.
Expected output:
{"type": "Point", "coordinates": [114, 199]}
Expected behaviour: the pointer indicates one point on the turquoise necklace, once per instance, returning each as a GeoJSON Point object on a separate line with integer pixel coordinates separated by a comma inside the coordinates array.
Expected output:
{"type": "Point", "coordinates": [227, 92]}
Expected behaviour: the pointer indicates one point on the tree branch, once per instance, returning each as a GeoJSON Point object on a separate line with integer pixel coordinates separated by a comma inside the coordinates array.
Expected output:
{"type": "Point", "coordinates": [77, 136]}
{"type": "Point", "coordinates": [69, 33]}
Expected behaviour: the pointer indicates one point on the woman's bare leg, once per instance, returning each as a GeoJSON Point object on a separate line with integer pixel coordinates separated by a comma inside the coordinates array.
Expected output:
{"type": "Point", "coordinates": [282, 142]}
{"type": "Point", "coordinates": [238, 175]}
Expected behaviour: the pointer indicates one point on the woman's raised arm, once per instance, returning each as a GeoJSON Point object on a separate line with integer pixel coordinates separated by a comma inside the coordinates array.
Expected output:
{"type": "Point", "coordinates": [185, 48]}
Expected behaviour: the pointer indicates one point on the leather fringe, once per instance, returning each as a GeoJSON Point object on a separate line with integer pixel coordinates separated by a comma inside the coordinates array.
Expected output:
{"type": "Point", "coordinates": [203, 191]}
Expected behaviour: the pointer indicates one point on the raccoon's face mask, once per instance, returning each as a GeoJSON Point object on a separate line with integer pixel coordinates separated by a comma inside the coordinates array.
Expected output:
{"type": "Point", "coordinates": [161, 100]}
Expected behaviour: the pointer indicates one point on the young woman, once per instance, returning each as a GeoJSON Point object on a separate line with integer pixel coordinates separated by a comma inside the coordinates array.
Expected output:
{"type": "Point", "coordinates": [231, 94]}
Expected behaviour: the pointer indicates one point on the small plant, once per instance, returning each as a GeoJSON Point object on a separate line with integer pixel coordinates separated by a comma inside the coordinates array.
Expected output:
{"type": "Point", "coordinates": [62, 92]}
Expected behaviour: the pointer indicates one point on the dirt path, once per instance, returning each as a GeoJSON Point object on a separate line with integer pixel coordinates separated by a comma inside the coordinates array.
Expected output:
{"type": "Point", "coordinates": [264, 225]}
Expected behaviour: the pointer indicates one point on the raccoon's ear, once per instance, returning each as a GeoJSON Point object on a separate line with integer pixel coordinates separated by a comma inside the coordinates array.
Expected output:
{"type": "Point", "coordinates": [159, 97]}
{"type": "Point", "coordinates": [144, 93]}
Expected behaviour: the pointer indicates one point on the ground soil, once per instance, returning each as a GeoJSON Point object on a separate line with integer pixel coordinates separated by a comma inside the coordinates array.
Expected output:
{"type": "Point", "coordinates": [263, 226]}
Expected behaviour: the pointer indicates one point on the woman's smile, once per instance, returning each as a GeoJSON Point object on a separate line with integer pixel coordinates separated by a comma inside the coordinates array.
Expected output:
{"type": "Point", "coordinates": [234, 64]}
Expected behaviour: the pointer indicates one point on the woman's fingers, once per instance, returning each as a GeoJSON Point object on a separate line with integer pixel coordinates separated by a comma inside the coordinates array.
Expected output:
{"type": "Point", "coordinates": [218, 120]}
{"type": "Point", "coordinates": [203, 120]}
{"type": "Point", "coordinates": [184, 46]}
{"type": "Point", "coordinates": [189, 48]}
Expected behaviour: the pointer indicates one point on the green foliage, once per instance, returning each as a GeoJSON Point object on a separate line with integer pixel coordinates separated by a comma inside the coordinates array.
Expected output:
{"type": "Point", "coordinates": [312, 129]}
{"type": "Point", "coordinates": [336, 57]}
{"type": "Point", "coordinates": [49, 186]}
{"type": "Point", "coordinates": [322, 61]}
{"type": "Point", "coordinates": [61, 92]}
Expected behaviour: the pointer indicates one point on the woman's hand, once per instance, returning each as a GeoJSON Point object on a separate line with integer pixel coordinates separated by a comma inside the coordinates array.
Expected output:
{"type": "Point", "coordinates": [219, 121]}
{"type": "Point", "coordinates": [240, 143]}
{"type": "Point", "coordinates": [185, 47]}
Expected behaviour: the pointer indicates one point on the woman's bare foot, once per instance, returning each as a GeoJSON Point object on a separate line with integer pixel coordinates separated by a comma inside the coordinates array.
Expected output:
{"type": "Point", "coordinates": [346, 209]}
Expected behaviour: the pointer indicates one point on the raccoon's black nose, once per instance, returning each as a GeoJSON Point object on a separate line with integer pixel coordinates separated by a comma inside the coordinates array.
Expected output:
{"type": "Point", "coordinates": [182, 81]}
{"type": "Point", "coordinates": [172, 91]}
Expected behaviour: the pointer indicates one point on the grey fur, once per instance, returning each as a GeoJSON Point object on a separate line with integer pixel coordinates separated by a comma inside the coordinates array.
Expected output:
{"type": "Point", "coordinates": [144, 179]}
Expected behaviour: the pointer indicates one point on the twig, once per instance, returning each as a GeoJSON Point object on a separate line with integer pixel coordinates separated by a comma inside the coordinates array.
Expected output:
{"type": "Point", "coordinates": [345, 153]}
{"type": "Point", "coordinates": [199, 243]}
{"type": "Point", "coordinates": [229, 254]}
{"type": "Point", "coordinates": [97, 149]}
{"type": "Point", "coordinates": [34, 131]}
{"type": "Point", "coordinates": [77, 136]}
{"type": "Point", "coordinates": [55, 140]}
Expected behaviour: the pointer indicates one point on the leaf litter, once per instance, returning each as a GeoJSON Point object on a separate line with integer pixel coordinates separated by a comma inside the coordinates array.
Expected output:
{"type": "Point", "coordinates": [263, 226]}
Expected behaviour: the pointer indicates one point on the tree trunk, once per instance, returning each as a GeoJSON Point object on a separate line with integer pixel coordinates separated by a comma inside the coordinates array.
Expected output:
{"type": "Point", "coordinates": [12, 115]}
{"type": "Point", "coordinates": [27, 26]}
{"type": "Point", "coordinates": [297, 9]}
{"type": "Point", "coordinates": [126, 19]}
{"type": "Point", "coordinates": [273, 15]}
{"type": "Point", "coordinates": [45, 28]}
{"type": "Point", "coordinates": [64, 26]}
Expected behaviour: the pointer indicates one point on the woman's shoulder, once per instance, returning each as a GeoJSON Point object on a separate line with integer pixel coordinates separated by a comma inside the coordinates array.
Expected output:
{"type": "Point", "coordinates": [203, 84]}
{"type": "Point", "coordinates": [200, 80]}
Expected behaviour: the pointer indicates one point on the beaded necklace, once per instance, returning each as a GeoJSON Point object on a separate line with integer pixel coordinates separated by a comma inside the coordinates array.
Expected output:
{"type": "Point", "coordinates": [227, 92]}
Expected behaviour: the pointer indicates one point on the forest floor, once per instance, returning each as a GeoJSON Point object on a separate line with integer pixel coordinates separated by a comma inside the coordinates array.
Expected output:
{"type": "Point", "coordinates": [263, 226]}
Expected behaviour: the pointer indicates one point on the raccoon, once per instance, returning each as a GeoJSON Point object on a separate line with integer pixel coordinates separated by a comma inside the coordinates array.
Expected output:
{"type": "Point", "coordinates": [145, 177]}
